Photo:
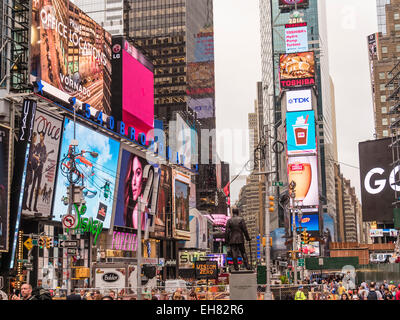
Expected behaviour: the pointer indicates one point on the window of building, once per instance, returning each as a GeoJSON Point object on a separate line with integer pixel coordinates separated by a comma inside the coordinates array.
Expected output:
{"type": "Point", "coordinates": [396, 16]}
{"type": "Point", "coordinates": [384, 110]}
{"type": "Point", "coordinates": [385, 133]}
{"type": "Point", "coordinates": [383, 98]}
{"type": "Point", "coordinates": [382, 87]}
{"type": "Point", "coordinates": [398, 48]}
{"type": "Point", "coordinates": [384, 50]}
{"type": "Point", "coordinates": [384, 121]}
{"type": "Point", "coordinates": [397, 27]}
{"type": "Point", "coordinates": [382, 75]}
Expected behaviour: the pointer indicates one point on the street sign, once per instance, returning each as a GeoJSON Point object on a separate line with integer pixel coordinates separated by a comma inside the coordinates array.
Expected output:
{"type": "Point", "coordinates": [283, 263]}
{"type": "Point", "coordinates": [301, 262]}
{"type": "Point", "coordinates": [28, 244]}
{"type": "Point", "coordinates": [277, 183]}
{"type": "Point", "coordinates": [72, 251]}
{"type": "Point", "coordinates": [68, 221]}
{"type": "Point", "coordinates": [68, 244]}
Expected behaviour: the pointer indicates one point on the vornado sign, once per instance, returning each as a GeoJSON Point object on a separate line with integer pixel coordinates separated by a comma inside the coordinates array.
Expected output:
{"type": "Point", "coordinates": [298, 100]}
{"type": "Point", "coordinates": [378, 180]}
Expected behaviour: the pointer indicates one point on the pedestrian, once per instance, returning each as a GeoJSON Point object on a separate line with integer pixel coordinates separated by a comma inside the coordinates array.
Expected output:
{"type": "Point", "coordinates": [97, 295]}
{"type": "Point", "coordinates": [341, 288]}
{"type": "Point", "coordinates": [344, 296]}
{"type": "Point", "coordinates": [387, 295]}
{"type": "Point", "coordinates": [373, 293]}
{"type": "Point", "coordinates": [106, 298]}
{"type": "Point", "coordinates": [355, 295]}
{"type": "Point", "coordinates": [333, 295]}
{"type": "Point", "coordinates": [26, 293]}
{"type": "Point", "coordinates": [398, 293]}
{"type": "Point", "coordinates": [300, 294]}
{"type": "Point", "coordinates": [193, 295]}
{"type": "Point", "coordinates": [74, 295]}
{"type": "Point", "coordinates": [112, 294]}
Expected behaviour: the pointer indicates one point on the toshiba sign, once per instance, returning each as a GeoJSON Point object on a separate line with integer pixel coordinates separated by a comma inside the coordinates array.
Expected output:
{"type": "Point", "coordinates": [298, 100]}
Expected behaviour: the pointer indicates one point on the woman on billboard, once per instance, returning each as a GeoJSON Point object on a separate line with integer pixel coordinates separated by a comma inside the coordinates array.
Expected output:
{"type": "Point", "coordinates": [138, 183]}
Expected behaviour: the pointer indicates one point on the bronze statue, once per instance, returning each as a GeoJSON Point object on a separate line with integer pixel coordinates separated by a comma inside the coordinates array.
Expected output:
{"type": "Point", "coordinates": [235, 233]}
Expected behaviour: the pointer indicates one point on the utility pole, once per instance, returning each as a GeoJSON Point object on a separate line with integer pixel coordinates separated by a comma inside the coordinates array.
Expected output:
{"type": "Point", "coordinates": [292, 188]}
{"type": "Point", "coordinates": [268, 294]}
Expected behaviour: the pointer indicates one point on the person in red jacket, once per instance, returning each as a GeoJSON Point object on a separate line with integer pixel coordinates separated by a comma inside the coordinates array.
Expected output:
{"type": "Point", "coordinates": [398, 294]}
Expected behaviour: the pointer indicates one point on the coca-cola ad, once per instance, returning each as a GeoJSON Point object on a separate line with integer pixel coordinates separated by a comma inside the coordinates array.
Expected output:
{"type": "Point", "coordinates": [42, 166]}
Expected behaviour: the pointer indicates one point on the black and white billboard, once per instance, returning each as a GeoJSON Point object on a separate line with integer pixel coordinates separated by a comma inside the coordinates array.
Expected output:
{"type": "Point", "coordinates": [378, 180]}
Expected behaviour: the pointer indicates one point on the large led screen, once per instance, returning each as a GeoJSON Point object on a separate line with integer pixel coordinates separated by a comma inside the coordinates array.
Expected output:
{"type": "Point", "coordinates": [181, 193]}
{"type": "Point", "coordinates": [164, 207]}
{"type": "Point", "coordinates": [288, 5]}
{"type": "Point", "coordinates": [296, 37]}
{"type": "Point", "coordinates": [300, 128]}
{"type": "Point", "coordinates": [298, 100]}
{"type": "Point", "coordinates": [304, 172]}
{"type": "Point", "coordinates": [297, 69]}
{"type": "Point", "coordinates": [378, 180]}
{"type": "Point", "coordinates": [5, 166]}
{"type": "Point", "coordinates": [71, 52]}
{"type": "Point", "coordinates": [97, 168]}
{"type": "Point", "coordinates": [42, 166]}
{"type": "Point", "coordinates": [308, 221]}
{"type": "Point", "coordinates": [203, 107]}
{"type": "Point", "coordinates": [138, 186]}
{"type": "Point", "coordinates": [200, 78]}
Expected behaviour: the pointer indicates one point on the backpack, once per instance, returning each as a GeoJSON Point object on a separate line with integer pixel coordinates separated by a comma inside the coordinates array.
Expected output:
{"type": "Point", "coordinates": [41, 294]}
{"type": "Point", "coordinates": [372, 295]}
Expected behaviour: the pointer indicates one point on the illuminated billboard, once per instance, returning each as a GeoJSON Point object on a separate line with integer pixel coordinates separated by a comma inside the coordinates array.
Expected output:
{"type": "Point", "coordinates": [5, 182]}
{"type": "Point", "coordinates": [181, 194]}
{"type": "Point", "coordinates": [297, 70]}
{"type": "Point", "coordinates": [42, 166]}
{"type": "Point", "coordinates": [304, 172]}
{"type": "Point", "coordinates": [296, 37]}
{"type": "Point", "coordinates": [203, 107]}
{"type": "Point", "coordinates": [301, 135]}
{"type": "Point", "coordinates": [200, 78]}
{"type": "Point", "coordinates": [132, 87]}
{"type": "Point", "coordinates": [71, 52]}
{"type": "Point", "coordinates": [96, 168]}
{"type": "Point", "coordinates": [204, 46]}
{"type": "Point", "coordinates": [138, 185]}
{"type": "Point", "coordinates": [298, 100]}
{"type": "Point", "coordinates": [164, 206]}
{"type": "Point", "coordinates": [288, 5]}
{"type": "Point", "coordinates": [308, 221]}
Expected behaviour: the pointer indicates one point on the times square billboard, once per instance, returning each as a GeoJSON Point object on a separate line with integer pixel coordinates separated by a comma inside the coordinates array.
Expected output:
{"type": "Point", "coordinates": [289, 5]}
{"type": "Point", "coordinates": [297, 70]}
{"type": "Point", "coordinates": [70, 54]}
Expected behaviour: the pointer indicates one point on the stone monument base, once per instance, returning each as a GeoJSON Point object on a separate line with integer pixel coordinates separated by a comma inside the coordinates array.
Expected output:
{"type": "Point", "coordinates": [243, 285]}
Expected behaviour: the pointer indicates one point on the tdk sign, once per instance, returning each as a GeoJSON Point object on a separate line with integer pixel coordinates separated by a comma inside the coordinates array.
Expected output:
{"type": "Point", "coordinates": [298, 100]}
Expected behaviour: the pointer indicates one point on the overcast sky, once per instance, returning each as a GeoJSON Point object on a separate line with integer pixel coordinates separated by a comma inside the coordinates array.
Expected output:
{"type": "Point", "coordinates": [238, 68]}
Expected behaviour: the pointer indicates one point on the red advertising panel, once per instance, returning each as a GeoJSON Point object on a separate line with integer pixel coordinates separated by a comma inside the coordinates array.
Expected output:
{"type": "Point", "coordinates": [288, 5]}
{"type": "Point", "coordinates": [297, 69]}
{"type": "Point", "coordinates": [71, 53]}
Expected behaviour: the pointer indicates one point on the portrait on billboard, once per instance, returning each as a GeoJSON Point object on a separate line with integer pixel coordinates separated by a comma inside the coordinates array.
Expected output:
{"type": "Point", "coordinates": [297, 69]}
{"type": "Point", "coordinates": [96, 164]}
{"type": "Point", "coordinates": [181, 195]}
{"type": "Point", "coordinates": [304, 172]}
{"type": "Point", "coordinates": [5, 149]}
{"type": "Point", "coordinates": [137, 192]}
{"type": "Point", "coordinates": [164, 206]}
{"type": "Point", "coordinates": [301, 134]}
{"type": "Point", "coordinates": [71, 52]}
{"type": "Point", "coordinates": [42, 165]}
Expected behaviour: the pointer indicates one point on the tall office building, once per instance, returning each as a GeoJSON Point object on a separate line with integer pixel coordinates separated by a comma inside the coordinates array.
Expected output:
{"type": "Point", "coordinates": [274, 17]}
{"type": "Point", "coordinates": [384, 50]}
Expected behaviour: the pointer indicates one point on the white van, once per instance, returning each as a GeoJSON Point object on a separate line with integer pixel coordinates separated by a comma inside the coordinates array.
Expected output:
{"type": "Point", "coordinates": [172, 285]}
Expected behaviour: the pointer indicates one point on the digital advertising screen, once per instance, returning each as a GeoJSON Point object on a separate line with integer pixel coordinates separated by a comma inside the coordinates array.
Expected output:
{"type": "Point", "coordinates": [164, 206]}
{"type": "Point", "coordinates": [288, 5]}
{"type": "Point", "coordinates": [304, 172]}
{"type": "Point", "coordinates": [301, 135]}
{"type": "Point", "coordinates": [71, 52]}
{"type": "Point", "coordinates": [181, 194]}
{"type": "Point", "coordinates": [329, 225]}
{"type": "Point", "coordinates": [96, 166]}
{"type": "Point", "coordinates": [298, 100]}
{"type": "Point", "coordinates": [297, 69]}
{"type": "Point", "coordinates": [296, 37]}
{"type": "Point", "coordinates": [132, 87]}
{"type": "Point", "coordinates": [309, 221]}
{"type": "Point", "coordinates": [200, 78]}
{"type": "Point", "coordinates": [139, 183]}
{"type": "Point", "coordinates": [378, 180]}
{"type": "Point", "coordinates": [203, 107]}
{"type": "Point", "coordinates": [5, 182]}
{"type": "Point", "coordinates": [204, 46]}
{"type": "Point", "coordinates": [42, 165]}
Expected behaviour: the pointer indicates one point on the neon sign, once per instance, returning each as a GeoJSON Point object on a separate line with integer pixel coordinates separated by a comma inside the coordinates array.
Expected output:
{"type": "Point", "coordinates": [88, 225]}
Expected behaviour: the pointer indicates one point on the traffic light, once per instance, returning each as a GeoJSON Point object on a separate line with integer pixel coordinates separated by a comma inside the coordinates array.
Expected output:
{"type": "Point", "coordinates": [49, 242]}
{"type": "Point", "coordinates": [41, 242]}
{"type": "Point", "coordinates": [271, 203]}
{"type": "Point", "coordinates": [305, 237]}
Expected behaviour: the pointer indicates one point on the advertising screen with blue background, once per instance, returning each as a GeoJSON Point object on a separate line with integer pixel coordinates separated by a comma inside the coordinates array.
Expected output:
{"type": "Point", "coordinates": [300, 128]}
{"type": "Point", "coordinates": [309, 221]}
{"type": "Point", "coordinates": [98, 173]}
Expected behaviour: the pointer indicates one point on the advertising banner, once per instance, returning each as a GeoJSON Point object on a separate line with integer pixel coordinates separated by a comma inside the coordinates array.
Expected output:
{"type": "Point", "coordinates": [312, 249]}
{"type": "Point", "coordinates": [287, 5]}
{"type": "Point", "coordinates": [309, 221]}
{"type": "Point", "coordinates": [71, 52]}
{"type": "Point", "coordinates": [329, 226]}
{"type": "Point", "coordinates": [96, 168]}
{"type": "Point", "coordinates": [304, 172]}
{"type": "Point", "coordinates": [298, 100]}
{"type": "Point", "coordinates": [204, 46]}
{"type": "Point", "coordinates": [188, 258]}
{"type": "Point", "coordinates": [301, 135]}
{"type": "Point", "coordinates": [132, 87]}
{"type": "Point", "coordinates": [164, 206]}
{"type": "Point", "coordinates": [296, 37]}
{"type": "Point", "coordinates": [138, 185]}
{"type": "Point", "coordinates": [378, 178]}
{"type": "Point", "coordinates": [206, 270]}
{"type": "Point", "coordinates": [200, 77]}
{"type": "Point", "coordinates": [297, 69]}
{"type": "Point", "coordinates": [181, 193]}
{"type": "Point", "coordinates": [42, 166]}
{"type": "Point", "coordinates": [203, 107]}
{"type": "Point", "coordinates": [5, 183]}
{"type": "Point", "coordinates": [110, 278]}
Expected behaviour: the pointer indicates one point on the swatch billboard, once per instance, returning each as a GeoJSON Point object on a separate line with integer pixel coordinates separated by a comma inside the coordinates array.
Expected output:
{"type": "Point", "coordinates": [304, 172]}
{"type": "Point", "coordinates": [97, 169]}
{"type": "Point", "coordinates": [297, 69]}
{"type": "Point", "coordinates": [138, 186]}
{"type": "Point", "coordinates": [132, 87]}
{"type": "Point", "coordinates": [5, 183]}
{"type": "Point", "coordinates": [379, 180]}
{"type": "Point", "coordinates": [71, 52]}
{"type": "Point", "coordinates": [301, 135]}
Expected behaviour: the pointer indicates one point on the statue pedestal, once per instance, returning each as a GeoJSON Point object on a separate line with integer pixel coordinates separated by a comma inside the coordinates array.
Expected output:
{"type": "Point", "coordinates": [243, 285]}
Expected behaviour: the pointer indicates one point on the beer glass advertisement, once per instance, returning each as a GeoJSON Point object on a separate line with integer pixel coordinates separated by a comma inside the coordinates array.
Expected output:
{"type": "Point", "coordinates": [164, 206]}
{"type": "Point", "coordinates": [304, 172]}
{"type": "Point", "coordinates": [5, 166]}
{"type": "Point", "coordinates": [181, 192]}
{"type": "Point", "coordinates": [96, 161]}
{"type": "Point", "coordinates": [71, 52]}
{"type": "Point", "coordinates": [42, 166]}
{"type": "Point", "coordinates": [300, 128]}
{"type": "Point", "coordinates": [138, 186]}
{"type": "Point", "coordinates": [378, 180]}
{"type": "Point", "coordinates": [297, 69]}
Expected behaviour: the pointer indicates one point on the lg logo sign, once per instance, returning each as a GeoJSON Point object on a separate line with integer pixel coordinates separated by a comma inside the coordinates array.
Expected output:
{"type": "Point", "coordinates": [377, 186]}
